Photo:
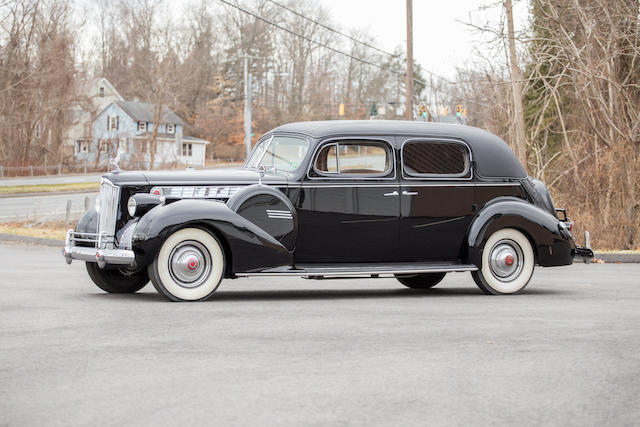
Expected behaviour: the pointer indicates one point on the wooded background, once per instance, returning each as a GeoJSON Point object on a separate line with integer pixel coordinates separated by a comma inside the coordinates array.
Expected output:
{"type": "Point", "coordinates": [576, 70]}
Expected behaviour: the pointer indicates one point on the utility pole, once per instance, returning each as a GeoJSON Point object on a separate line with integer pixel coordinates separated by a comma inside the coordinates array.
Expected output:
{"type": "Point", "coordinates": [408, 114]}
{"type": "Point", "coordinates": [247, 106]}
{"type": "Point", "coordinates": [516, 90]}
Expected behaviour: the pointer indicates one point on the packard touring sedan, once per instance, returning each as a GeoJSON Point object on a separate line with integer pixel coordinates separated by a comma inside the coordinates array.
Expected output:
{"type": "Point", "coordinates": [410, 200]}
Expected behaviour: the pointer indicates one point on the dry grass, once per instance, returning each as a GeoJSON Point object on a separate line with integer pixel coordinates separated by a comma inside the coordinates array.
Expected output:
{"type": "Point", "coordinates": [52, 230]}
{"type": "Point", "coordinates": [50, 188]}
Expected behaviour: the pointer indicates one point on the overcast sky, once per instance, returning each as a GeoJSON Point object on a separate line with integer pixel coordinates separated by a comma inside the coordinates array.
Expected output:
{"type": "Point", "coordinates": [440, 42]}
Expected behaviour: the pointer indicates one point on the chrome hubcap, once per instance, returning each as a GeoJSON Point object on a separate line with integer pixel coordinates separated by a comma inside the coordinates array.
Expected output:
{"type": "Point", "coordinates": [190, 264]}
{"type": "Point", "coordinates": [506, 260]}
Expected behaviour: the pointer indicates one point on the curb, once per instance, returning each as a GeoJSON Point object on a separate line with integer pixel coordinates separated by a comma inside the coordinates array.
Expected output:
{"type": "Point", "coordinates": [617, 257]}
{"type": "Point", "coordinates": [34, 240]}
{"type": "Point", "coordinates": [48, 193]}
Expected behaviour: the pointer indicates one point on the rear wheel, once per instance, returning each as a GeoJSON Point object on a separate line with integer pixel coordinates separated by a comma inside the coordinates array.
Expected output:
{"type": "Point", "coordinates": [507, 263]}
{"type": "Point", "coordinates": [117, 281]}
{"type": "Point", "coordinates": [189, 265]}
{"type": "Point", "coordinates": [421, 281]}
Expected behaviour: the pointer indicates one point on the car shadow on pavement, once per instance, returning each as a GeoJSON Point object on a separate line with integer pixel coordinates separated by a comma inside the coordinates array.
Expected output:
{"type": "Point", "coordinates": [334, 294]}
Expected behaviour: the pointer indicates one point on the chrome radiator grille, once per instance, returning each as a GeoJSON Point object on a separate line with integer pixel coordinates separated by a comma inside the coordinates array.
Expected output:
{"type": "Point", "coordinates": [109, 205]}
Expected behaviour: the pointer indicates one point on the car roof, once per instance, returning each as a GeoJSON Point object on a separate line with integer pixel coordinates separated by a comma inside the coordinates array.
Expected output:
{"type": "Point", "coordinates": [493, 156]}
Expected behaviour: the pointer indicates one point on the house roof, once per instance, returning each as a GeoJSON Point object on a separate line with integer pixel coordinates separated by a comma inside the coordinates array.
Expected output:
{"type": "Point", "coordinates": [193, 139]}
{"type": "Point", "coordinates": [143, 112]}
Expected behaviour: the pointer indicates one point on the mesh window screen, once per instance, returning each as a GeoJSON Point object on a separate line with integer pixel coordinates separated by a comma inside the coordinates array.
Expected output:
{"type": "Point", "coordinates": [435, 158]}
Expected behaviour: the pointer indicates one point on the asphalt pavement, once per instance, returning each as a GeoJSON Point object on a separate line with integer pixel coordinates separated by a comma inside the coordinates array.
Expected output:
{"type": "Point", "coordinates": [51, 179]}
{"type": "Point", "coordinates": [289, 351]}
{"type": "Point", "coordinates": [49, 207]}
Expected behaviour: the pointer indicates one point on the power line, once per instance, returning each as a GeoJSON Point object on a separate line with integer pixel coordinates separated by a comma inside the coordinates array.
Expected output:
{"type": "Point", "coordinates": [364, 61]}
{"type": "Point", "coordinates": [393, 55]}
{"type": "Point", "coordinates": [357, 41]}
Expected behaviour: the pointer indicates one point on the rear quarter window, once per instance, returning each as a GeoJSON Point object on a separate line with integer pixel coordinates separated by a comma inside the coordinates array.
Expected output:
{"type": "Point", "coordinates": [435, 159]}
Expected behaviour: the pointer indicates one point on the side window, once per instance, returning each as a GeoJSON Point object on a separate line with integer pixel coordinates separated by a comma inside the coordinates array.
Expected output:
{"type": "Point", "coordinates": [327, 160]}
{"type": "Point", "coordinates": [435, 159]}
{"type": "Point", "coordinates": [354, 157]}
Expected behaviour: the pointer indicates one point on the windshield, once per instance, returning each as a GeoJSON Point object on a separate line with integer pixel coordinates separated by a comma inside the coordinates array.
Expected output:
{"type": "Point", "coordinates": [284, 153]}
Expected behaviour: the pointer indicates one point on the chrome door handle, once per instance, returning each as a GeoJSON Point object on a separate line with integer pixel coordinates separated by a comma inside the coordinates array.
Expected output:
{"type": "Point", "coordinates": [409, 193]}
{"type": "Point", "coordinates": [392, 194]}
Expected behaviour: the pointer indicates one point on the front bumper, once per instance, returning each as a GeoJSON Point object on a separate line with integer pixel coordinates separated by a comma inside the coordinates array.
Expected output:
{"type": "Point", "coordinates": [97, 253]}
{"type": "Point", "coordinates": [583, 254]}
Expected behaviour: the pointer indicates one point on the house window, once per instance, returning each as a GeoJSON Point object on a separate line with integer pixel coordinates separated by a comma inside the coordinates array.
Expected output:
{"type": "Point", "coordinates": [187, 150]}
{"type": "Point", "coordinates": [82, 146]}
{"type": "Point", "coordinates": [101, 91]}
{"type": "Point", "coordinates": [113, 122]}
{"type": "Point", "coordinates": [142, 126]}
{"type": "Point", "coordinates": [171, 128]}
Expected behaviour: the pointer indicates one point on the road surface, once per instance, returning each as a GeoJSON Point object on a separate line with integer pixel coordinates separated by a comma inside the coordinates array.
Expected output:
{"type": "Point", "coordinates": [296, 352]}
{"type": "Point", "coordinates": [69, 179]}
{"type": "Point", "coordinates": [44, 208]}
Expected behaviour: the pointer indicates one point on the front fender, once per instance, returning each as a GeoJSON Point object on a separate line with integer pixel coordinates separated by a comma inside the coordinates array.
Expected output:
{"type": "Point", "coordinates": [247, 246]}
{"type": "Point", "coordinates": [552, 243]}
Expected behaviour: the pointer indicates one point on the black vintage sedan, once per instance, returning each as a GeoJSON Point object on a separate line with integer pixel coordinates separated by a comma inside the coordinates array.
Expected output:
{"type": "Point", "coordinates": [411, 200]}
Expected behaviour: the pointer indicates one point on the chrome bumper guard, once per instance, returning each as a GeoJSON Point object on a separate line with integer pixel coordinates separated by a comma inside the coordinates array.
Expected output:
{"type": "Point", "coordinates": [584, 254]}
{"type": "Point", "coordinates": [97, 253]}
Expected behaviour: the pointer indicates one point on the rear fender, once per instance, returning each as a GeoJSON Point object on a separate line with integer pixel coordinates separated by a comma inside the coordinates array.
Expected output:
{"type": "Point", "coordinates": [252, 248]}
{"type": "Point", "coordinates": [552, 243]}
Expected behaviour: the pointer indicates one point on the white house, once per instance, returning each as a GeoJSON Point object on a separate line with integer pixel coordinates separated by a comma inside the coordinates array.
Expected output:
{"type": "Point", "coordinates": [126, 129]}
{"type": "Point", "coordinates": [93, 96]}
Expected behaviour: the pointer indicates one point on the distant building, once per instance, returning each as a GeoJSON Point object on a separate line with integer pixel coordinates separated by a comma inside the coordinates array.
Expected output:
{"type": "Point", "coordinates": [125, 129]}
{"type": "Point", "coordinates": [93, 96]}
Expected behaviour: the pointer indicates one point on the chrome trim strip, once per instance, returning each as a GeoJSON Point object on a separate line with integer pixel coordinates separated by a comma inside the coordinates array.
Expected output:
{"type": "Point", "coordinates": [438, 222]}
{"type": "Point", "coordinates": [360, 273]}
{"type": "Point", "coordinates": [407, 184]}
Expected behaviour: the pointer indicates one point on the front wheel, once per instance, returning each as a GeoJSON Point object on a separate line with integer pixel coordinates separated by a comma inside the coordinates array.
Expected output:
{"type": "Point", "coordinates": [189, 265]}
{"type": "Point", "coordinates": [421, 281]}
{"type": "Point", "coordinates": [117, 281]}
{"type": "Point", "coordinates": [507, 263]}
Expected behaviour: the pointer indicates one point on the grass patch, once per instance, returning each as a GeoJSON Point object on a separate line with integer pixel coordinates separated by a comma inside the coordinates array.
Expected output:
{"type": "Point", "coordinates": [49, 188]}
{"type": "Point", "coordinates": [52, 230]}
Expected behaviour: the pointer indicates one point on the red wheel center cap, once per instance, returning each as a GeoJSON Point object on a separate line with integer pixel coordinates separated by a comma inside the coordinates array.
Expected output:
{"type": "Point", "coordinates": [192, 264]}
{"type": "Point", "coordinates": [508, 260]}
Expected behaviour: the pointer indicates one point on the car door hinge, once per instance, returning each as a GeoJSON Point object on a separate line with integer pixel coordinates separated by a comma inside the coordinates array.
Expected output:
{"type": "Point", "coordinates": [474, 207]}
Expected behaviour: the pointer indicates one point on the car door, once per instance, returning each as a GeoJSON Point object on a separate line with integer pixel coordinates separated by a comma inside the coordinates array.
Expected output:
{"type": "Point", "coordinates": [437, 198]}
{"type": "Point", "coordinates": [348, 207]}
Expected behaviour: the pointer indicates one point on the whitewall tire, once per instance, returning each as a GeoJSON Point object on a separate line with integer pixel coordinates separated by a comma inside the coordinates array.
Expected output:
{"type": "Point", "coordinates": [508, 261]}
{"type": "Point", "coordinates": [189, 265]}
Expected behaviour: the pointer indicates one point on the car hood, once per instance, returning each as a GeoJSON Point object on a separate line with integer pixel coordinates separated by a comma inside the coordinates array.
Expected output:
{"type": "Point", "coordinates": [193, 177]}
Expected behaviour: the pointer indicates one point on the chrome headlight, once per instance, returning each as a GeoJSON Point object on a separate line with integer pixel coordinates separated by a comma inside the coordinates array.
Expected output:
{"type": "Point", "coordinates": [131, 206]}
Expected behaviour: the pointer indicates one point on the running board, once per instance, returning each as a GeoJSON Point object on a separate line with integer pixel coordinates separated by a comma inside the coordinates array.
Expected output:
{"type": "Point", "coordinates": [351, 270]}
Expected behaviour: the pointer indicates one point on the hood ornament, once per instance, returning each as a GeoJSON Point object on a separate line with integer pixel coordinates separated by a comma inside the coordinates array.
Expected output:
{"type": "Point", "coordinates": [114, 163]}
{"type": "Point", "coordinates": [260, 174]}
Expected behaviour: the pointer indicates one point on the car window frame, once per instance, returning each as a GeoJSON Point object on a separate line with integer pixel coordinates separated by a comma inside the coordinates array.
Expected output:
{"type": "Point", "coordinates": [271, 135]}
{"type": "Point", "coordinates": [469, 170]}
{"type": "Point", "coordinates": [338, 176]}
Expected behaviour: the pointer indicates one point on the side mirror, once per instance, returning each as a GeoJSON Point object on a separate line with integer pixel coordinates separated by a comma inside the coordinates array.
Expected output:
{"type": "Point", "coordinates": [260, 174]}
